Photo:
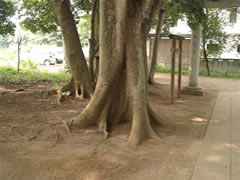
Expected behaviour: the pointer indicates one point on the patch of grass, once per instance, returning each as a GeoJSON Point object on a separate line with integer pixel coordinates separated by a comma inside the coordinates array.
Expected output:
{"type": "Point", "coordinates": [28, 65]}
{"type": "Point", "coordinates": [221, 74]}
{"type": "Point", "coordinates": [10, 75]}
{"type": "Point", "coordinates": [164, 69]}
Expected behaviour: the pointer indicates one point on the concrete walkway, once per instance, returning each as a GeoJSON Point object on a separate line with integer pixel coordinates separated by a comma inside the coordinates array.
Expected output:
{"type": "Point", "coordinates": [219, 157]}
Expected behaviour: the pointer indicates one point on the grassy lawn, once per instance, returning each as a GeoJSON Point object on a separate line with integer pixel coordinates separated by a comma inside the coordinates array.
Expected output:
{"type": "Point", "coordinates": [10, 75]}
{"type": "Point", "coordinates": [32, 75]}
{"type": "Point", "coordinates": [165, 69]}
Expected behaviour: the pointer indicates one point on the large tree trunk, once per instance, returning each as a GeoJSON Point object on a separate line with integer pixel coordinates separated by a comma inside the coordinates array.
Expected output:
{"type": "Point", "coordinates": [80, 84]}
{"type": "Point", "coordinates": [155, 47]}
{"type": "Point", "coordinates": [121, 90]}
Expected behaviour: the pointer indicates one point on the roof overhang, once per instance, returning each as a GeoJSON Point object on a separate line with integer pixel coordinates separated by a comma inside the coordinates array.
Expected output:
{"type": "Point", "coordinates": [217, 3]}
{"type": "Point", "coordinates": [222, 3]}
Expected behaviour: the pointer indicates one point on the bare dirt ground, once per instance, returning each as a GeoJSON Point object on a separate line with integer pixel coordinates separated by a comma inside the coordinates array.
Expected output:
{"type": "Point", "coordinates": [35, 145]}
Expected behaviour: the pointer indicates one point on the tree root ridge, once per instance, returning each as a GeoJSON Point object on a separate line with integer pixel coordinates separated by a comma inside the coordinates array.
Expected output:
{"type": "Point", "coordinates": [152, 81]}
{"type": "Point", "coordinates": [81, 90]}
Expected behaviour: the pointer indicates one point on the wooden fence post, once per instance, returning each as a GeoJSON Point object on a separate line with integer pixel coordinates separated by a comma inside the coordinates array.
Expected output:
{"type": "Point", "coordinates": [179, 68]}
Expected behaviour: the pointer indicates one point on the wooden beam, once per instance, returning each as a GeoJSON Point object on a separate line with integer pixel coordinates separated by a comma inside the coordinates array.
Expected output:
{"type": "Point", "coordinates": [216, 3]}
{"type": "Point", "coordinates": [222, 3]}
{"type": "Point", "coordinates": [179, 68]}
{"type": "Point", "coordinates": [172, 69]}
{"type": "Point", "coordinates": [174, 36]}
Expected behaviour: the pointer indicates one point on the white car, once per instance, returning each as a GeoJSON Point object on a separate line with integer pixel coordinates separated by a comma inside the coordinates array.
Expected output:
{"type": "Point", "coordinates": [44, 56]}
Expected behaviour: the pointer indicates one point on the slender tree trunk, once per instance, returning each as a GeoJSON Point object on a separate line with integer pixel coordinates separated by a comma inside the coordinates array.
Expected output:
{"type": "Point", "coordinates": [205, 57]}
{"type": "Point", "coordinates": [152, 7]}
{"type": "Point", "coordinates": [80, 82]}
{"type": "Point", "coordinates": [94, 47]}
{"type": "Point", "coordinates": [155, 47]}
{"type": "Point", "coordinates": [19, 40]}
{"type": "Point", "coordinates": [121, 90]}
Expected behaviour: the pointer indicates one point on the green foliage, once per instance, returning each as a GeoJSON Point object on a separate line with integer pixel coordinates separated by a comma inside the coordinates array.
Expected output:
{"type": "Point", "coordinates": [6, 40]}
{"type": "Point", "coordinates": [55, 87]}
{"type": "Point", "coordinates": [49, 91]}
{"type": "Point", "coordinates": [29, 39]}
{"type": "Point", "coordinates": [175, 10]}
{"type": "Point", "coordinates": [235, 39]}
{"type": "Point", "coordinates": [40, 16]}
{"type": "Point", "coordinates": [7, 10]}
{"type": "Point", "coordinates": [10, 75]}
{"type": "Point", "coordinates": [84, 27]}
{"type": "Point", "coordinates": [164, 69]}
{"type": "Point", "coordinates": [212, 32]}
{"type": "Point", "coordinates": [8, 54]}
{"type": "Point", "coordinates": [193, 9]}
{"type": "Point", "coordinates": [81, 7]}
{"type": "Point", "coordinates": [28, 65]}
{"type": "Point", "coordinates": [221, 74]}
{"type": "Point", "coordinates": [171, 17]}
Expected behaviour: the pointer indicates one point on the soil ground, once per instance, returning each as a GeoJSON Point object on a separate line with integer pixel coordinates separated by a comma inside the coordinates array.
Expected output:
{"type": "Point", "coordinates": [35, 145]}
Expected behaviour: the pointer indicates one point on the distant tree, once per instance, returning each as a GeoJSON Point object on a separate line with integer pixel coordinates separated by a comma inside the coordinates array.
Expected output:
{"type": "Point", "coordinates": [7, 10]}
{"type": "Point", "coordinates": [46, 16]}
{"type": "Point", "coordinates": [213, 36]}
{"type": "Point", "coordinates": [80, 84]}
{"type": "Point", "coordinates": [84, 27]}
{"type": "Point", "coordinates": [161, 12]}
{"type": "Point", "coordinates": [174, 11]}
{"type": "Point", "coordinates": [193, 10]}
{"type": "Point", "coordinates": [6, 41]}
{"type": "Point", "coordinates": [171, 17]}
{"type": "Point", "coordinates": [39, 16]}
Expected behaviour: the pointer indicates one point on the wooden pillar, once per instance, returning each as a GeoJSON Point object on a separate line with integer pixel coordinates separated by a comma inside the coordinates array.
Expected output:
{"type": "Point", "coordinates": [173, 69]}
{"type": "Point", "coordinates": [179, 68]}
{"type": "Point", "coordinates": [174, 39]}
{"type": "Point", "coordinates": [150, 49]}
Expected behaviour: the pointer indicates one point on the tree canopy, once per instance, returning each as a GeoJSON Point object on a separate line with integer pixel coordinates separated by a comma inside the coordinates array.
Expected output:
{"type": "Point", "coordinates": [7, 10]}
{"type": "Point", "coordinates": [40, 16]}
{"type": "Point", "coordinates": [213, 33]}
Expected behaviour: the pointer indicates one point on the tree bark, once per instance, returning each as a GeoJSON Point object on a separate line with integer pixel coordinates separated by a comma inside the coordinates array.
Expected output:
{"type": "Point", "coordinates": [80, 82]}
{"type": "Point", "coordinates": [205, 57]}
{"type": "Point", "coordinates": [121, 90]}
{"type": "Point", "coordinates": [93, 41]}
{"type": "Point", "coordinates": [149, 12]}
{"type": "Point", "coordinates": [155, 47]}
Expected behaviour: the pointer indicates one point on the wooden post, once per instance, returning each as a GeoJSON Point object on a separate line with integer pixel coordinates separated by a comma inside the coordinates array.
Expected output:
{"type": "Point", "coordinates": [173, 68]}
{"type": "Point", "coordinates": [174, 38]}
{"type": "Point", "coordinates": [150, 49]}
{"type": "Point", "coordinates": [179, 68]}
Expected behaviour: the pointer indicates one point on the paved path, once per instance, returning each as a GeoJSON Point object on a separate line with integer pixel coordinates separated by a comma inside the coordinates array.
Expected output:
{"type": "Point", "coordinates": [219, 157]}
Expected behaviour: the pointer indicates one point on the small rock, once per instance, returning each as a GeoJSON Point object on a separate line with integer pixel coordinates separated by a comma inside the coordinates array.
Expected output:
{"type": "Point", "coordinates": [19, 90]}
{"type": "Point", "coordinates": [4, 92]}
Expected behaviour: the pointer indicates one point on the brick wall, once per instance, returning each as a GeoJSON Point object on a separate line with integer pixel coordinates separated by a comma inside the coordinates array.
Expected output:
{"type": "Point", "coordinates": [164, 51]}
{"type": "Point", "coordinates": [164, 57]}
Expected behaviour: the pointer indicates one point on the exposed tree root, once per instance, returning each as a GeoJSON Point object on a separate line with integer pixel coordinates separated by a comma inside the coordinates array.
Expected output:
{"type": "Point", "coordinates": [121, 91]}
{"type": "Point", "coordinates": [69, 87]}
{"type": "Point", "coordinates": [154, 118]}
{"type": "Point", "coordinates": [152, 81]}
{"type": "Point", "coordinates": [80, 90]}
{"type": "Point", "coordinates": [66, 127]}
